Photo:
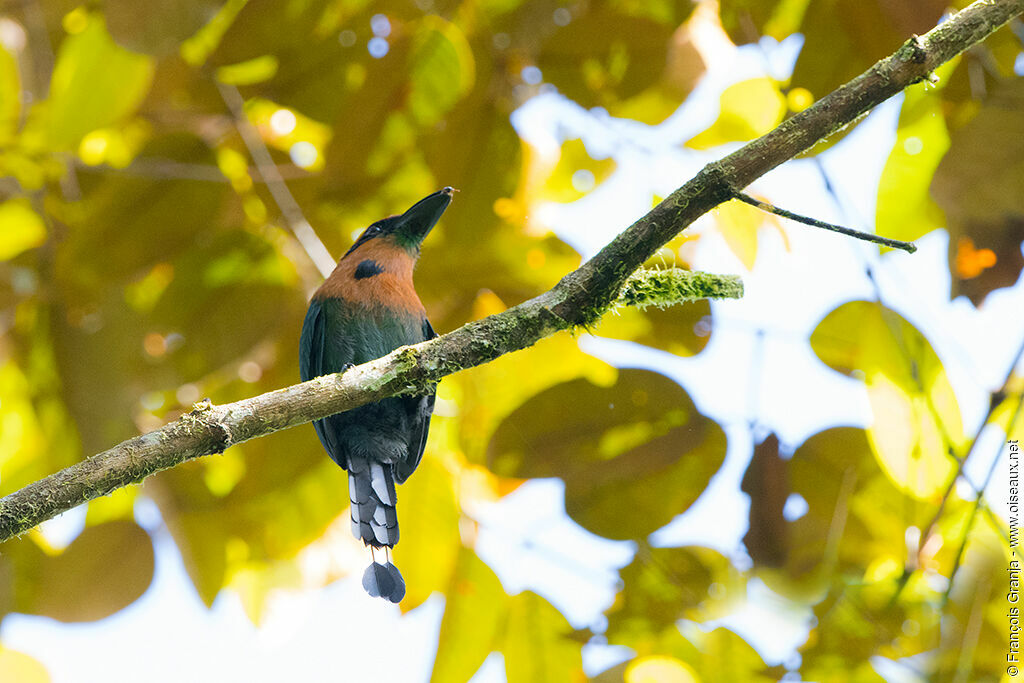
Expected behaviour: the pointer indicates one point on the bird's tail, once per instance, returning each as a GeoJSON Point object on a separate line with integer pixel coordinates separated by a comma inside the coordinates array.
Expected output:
{"type": "Point", "coordinates": [371, 487]}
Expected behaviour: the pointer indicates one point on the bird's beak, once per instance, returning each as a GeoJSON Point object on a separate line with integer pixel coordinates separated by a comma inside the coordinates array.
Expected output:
{"type": "Point", "coordinates": [417, 222]}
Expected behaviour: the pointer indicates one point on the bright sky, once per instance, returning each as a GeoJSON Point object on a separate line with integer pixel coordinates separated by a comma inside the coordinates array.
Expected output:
{"type": "Point", "coordinates": [338, 633]}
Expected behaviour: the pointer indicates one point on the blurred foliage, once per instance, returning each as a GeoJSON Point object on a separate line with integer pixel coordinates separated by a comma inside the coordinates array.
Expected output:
{"type": "Point", "coordinates": [748, 110]}
{"type": "Point", "coordinates": [985, 209]}
{"type": "Point", "coordinates": [634, 456]}
{"type": "Point", "coordinates": [917, 434]}
{"type": "Point", "coordinates": [144, 265]}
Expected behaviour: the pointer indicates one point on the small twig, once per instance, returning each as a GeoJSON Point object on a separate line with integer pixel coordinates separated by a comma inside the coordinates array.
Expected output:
{"type": "Point", "coordinates": [268, 170]}
{"type": "Point", "coordinates": [908, 247]}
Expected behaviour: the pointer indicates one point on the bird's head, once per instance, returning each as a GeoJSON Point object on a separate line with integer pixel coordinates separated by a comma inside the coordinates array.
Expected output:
{"type": "Point", "coordinates": [409, 229]}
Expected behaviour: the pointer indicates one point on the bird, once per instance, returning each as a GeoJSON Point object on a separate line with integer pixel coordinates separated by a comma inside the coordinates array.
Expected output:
{"type": "Point", "coordinates": [365, 309]}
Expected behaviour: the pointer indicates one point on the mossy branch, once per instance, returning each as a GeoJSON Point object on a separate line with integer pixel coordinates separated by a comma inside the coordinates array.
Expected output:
{"type": "Point", "coordinates": [579, 299]}
{"type": "Point", "coordinates": [670, 286]}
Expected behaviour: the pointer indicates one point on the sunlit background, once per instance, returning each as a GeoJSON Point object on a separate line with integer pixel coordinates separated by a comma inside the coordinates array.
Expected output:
{"type": "Point", "coordinates": [809, 483]}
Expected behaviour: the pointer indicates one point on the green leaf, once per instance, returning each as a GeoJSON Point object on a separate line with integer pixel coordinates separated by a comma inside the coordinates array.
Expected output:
{"type": "Point", "coordinates": [575, 174]}
{"type": "Point", "coordinates": [157, 27]}
{"type": "Point", "coordinates": [365, 101]}
{"type": "Point", "coordinates": [1009, 413]}
{"type": "Point", "coordinates": [668, 12]}
{"type": "Point", "coordinates": [442, 69]}
{"type": "Point", "coordinates": [722, 655]}
{"type": "Point", "coordinates": [22, 439]}
{"type": "Point", "coordinates": [683, 330]}
{"type": "Point", "coordinates": [474, 614]}
{"type": "Point", "coordinates": [245, 527]}
{"type": "Point", "coordinates": [663, 585]}
{"type": "Point", "coordinates": [856, 519]}
{"type": "Point", "coordinates": [632, 456]}
{"type": "Point", "coordinates": [604, 56]}
{"type": "Point", "coordinates": [488, 394]}
{"type": "Point", "coordinates": [268, 27]}
{"type": "Point", "coordinates": [254, 531]}
{"type": "Point", "coordinates": [95, 83]}
{"type": "Point", "coordinates": [852, 626]}
{"type": "Point", "coordinates": [917, 425]}
{"type": "Point", "coordinates": [537, 644]}
{"type": "Point", "coordinates": [223, 299]}
{"type": "Point", "coordinates": [23, 229]}
{"type": "Point", "coordinates": [487, 230]}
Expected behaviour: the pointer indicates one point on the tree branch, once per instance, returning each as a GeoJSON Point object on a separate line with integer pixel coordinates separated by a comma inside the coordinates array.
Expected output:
{"type": "Point", "coordinates": [579, 299]}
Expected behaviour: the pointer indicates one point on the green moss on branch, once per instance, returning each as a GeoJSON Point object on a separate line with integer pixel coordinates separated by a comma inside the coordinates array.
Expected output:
{"type": "Point", "coordinates": [671, 286]}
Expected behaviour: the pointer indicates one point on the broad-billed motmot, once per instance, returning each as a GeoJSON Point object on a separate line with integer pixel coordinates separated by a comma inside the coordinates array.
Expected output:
{"type": "Point", "coordinates": [364, 310]}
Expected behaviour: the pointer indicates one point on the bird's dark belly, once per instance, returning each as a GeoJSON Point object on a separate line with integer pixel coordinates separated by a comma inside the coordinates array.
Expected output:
{"type": "Point", "coordinates": [378, 431]}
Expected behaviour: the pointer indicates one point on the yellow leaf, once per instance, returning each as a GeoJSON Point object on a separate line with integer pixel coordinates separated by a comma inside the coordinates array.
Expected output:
{"type": "Point", "coordinates": [16, 666]}
{"type": "Point", "coordinates": [749, 109]}
{"type": "Point", "coordinates": [21, 438]}
{"type": "Point", "coordinates": [917, 424]}
{"type": "Point", "coordinates": [659, 669]}
{"type": "Point", "coordinates": [905, 209]}
{"type": "Point", "coordinates": [256, 70]}
{"type": "Point", "coordinates": [738, 224]}
{"type": "Point", "coordinates": [22, 229]}
{"type": "Point", "coordinates": [655, 104]}
{"type": "Point", "coordinates": [117, 505]}
{"type": "Point", "coordinates": [428, 520]}
{"type": "Point", "coordinates": [475, 607]}
{"type": "Point", "coordinates": [907, 438]}
{"type": "Point", "coordinates": [576, 173]}
{"type": "Point", "coordinates": [537, 646]}
{"type": "Point", "coordinates": [10, 95]}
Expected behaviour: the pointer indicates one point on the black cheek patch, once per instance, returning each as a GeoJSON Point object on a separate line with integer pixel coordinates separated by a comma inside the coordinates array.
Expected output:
{"type": "Point", "coordinates": [368, 268]}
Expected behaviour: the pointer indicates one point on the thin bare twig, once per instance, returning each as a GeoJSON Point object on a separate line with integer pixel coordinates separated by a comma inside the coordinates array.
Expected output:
{"type": "Point", "coordinates": [268, 170]}
{"type": "Point", "coordinates": [908, 247]}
